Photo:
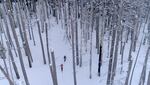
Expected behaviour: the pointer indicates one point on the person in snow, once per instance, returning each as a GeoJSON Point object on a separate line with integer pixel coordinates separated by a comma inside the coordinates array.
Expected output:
{"type": "Point", "coordinates": [65, 58]}
{"type": "Point", "coordinates": [61, 66]}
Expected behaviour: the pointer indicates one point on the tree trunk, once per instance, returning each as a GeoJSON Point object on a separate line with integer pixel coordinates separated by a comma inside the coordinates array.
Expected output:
{"type": "Point", "coordinates": [136, 61]}
{"type": "Point", "coordinates": [148, 80]}
{"type": "Point", "coordinates": [76, 33]}
{"type": "Point", "coordinates": [128, 73]}
{"type": "Point", "coordinates": [7, 76]}
{"type": "Point", "coordinates": [42, 46]}
{"type": "Point", "coordinates": [73, 54]}
{"type": "Point", "coordinates": [54, 68]}
{"type": "Point", "coordinates": [143, 74]}
{"type": "Point", "coordinates": [19, 51]}
{"type": "Point", "coordinates": [115, 59]}
{"type": "Point", "coordinates": [13, 62]}
{"type": "Point", "coordinates": [111, 58]}
{"type": "Point", "coordinates": [24, 38]}
{"type": "Point", "coordinates": [100, 61]}
{"type": "Point", "coordinates": [47, 43]}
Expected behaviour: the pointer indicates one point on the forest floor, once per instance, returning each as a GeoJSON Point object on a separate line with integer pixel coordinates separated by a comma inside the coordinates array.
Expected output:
{"type": "Point", "coordinates": [40, 74]}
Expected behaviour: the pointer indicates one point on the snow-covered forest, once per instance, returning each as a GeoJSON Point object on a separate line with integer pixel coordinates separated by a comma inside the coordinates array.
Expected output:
{"type": "Point", "coordinates": [74, 42]}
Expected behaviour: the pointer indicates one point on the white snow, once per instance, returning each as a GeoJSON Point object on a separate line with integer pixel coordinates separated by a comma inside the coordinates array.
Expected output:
{"type": "Point", "coordinates": [40, 74]}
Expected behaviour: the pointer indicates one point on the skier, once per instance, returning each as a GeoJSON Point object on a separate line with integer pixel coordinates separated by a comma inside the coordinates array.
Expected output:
{"type": "Point", "coordinates": [65, 58]}
{"type": "Point", "coordinates": [61, 66]}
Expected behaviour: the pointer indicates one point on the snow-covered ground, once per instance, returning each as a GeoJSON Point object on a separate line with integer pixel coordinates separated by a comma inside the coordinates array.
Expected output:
{"type": "Point", "coordinates": [40, 74]}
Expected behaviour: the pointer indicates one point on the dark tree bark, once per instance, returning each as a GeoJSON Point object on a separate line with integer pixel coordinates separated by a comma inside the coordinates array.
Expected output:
{"type": "Point", "coordinates": [100, 60]}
